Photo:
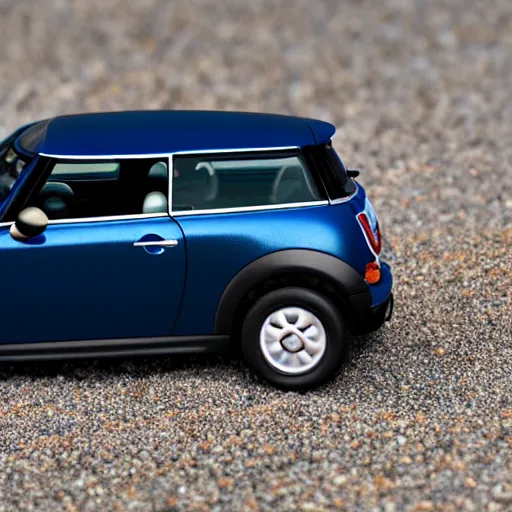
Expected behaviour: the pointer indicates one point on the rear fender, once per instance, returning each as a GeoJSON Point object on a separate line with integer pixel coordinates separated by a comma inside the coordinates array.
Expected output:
{"type": "Point", "coordinates": [347, 281]}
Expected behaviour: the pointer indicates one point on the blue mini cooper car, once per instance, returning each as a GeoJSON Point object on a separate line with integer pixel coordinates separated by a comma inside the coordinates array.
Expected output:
{"type": "Point", "coordinates": [185, 231]}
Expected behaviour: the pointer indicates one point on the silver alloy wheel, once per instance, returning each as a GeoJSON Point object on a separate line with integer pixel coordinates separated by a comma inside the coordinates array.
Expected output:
{"type": "Point", "coordinates": [293, 340]}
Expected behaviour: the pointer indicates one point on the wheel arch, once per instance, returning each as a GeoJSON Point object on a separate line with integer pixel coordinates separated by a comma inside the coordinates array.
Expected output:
{"type": "Point", "coordinates": [290, 266]}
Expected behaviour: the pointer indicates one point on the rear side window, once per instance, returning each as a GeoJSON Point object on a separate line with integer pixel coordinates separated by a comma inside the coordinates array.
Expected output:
{"type": "Point", "coordinates": [214, 182]}
{"type": "Point", "coordinates": [333, 172]}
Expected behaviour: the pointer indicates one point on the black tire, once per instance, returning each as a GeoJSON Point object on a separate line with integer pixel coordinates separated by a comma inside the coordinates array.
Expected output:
{"type": "Point", "coordinates": [323, 309]}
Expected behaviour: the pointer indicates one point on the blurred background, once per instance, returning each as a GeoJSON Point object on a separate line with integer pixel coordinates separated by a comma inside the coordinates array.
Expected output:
{"type": "Point", "coordinates": [420, 90]}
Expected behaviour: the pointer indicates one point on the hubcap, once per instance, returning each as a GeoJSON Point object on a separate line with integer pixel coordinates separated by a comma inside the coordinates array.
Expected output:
{"type": "Point", "coordinates": [292, 343]}
{"type": "Point", "coordinates": [293, 340]}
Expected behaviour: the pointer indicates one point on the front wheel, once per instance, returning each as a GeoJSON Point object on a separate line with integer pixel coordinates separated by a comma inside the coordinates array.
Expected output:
{"type": "Point", "coordinates": [294, 338]}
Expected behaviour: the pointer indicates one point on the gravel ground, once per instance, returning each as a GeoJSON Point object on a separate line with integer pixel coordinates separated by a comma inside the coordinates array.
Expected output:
{"type": "Point", "coordinates": [420, 416]}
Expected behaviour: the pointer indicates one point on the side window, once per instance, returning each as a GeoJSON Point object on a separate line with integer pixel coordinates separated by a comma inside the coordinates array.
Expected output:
{"type": "Point", "coordinates": [77, 190]}
{"type": "Point", "coordinates": [214, 182]}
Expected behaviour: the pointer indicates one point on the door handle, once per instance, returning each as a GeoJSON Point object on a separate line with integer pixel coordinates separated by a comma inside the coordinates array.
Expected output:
{"type": "Point", "coordinates": [157, 243]}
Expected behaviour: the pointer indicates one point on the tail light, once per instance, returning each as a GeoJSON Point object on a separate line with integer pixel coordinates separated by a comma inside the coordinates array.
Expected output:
{"type": "Point", "coordinates": [372, 274]}
{"type": "Point", "coordinates": [370, 224]}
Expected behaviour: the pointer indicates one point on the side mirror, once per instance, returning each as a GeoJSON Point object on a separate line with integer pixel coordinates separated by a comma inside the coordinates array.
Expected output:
{"type": "Point", "coordinates": [31, 222]}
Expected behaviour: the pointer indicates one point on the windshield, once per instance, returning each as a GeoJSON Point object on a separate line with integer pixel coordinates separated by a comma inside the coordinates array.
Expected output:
{"type": "Point", "coordinates": [11, 166]}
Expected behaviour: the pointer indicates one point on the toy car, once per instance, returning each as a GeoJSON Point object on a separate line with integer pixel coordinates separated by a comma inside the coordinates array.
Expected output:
{"type": "Point", "coordinates": [161, 232]}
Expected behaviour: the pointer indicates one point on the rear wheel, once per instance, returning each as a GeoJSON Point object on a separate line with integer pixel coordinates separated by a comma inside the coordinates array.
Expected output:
{"type": "Point", "coordinates": [294, 338]}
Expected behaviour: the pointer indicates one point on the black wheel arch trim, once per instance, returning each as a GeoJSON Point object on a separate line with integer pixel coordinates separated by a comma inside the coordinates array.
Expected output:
{"type": "Point", "coordinates": [348, 282]}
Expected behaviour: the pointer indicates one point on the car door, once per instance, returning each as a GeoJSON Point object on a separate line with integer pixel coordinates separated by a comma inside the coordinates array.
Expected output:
{"type": "Point", "coordinates": [84, 281]}
{"type": "Point", "coordinates": [108, 277]}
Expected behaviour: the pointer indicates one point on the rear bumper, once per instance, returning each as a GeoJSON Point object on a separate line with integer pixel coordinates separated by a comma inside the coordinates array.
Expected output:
{"type": "Point", "coordinates": [379, 315]}
{"type": "Point", "coordinates": [373, 318]}
{"type": "Point", "coordinates": [371, 309]}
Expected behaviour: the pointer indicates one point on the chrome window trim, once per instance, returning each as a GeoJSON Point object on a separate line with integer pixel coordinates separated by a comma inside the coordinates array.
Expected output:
{"type": "Point", "coordinates": [170, 174]}
{"type": "Point", "coordinates": [237, 150]}
{"type": "Point", "coordinates": [110, 218]}
{"type": "Point", "coordinates": [135, 156]}
{"type": "Point", "coordinates": [162, 155]}
{"type": "Point", "coordinates": [241, 209]}
{"type": "Point", "coordinates": [107, 218]}
{"type": "Point", "coordinates": [341, 200]}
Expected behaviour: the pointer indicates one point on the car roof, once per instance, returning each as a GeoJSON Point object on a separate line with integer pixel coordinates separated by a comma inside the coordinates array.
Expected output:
{"type": "Point", "coordinates": [172, 131]}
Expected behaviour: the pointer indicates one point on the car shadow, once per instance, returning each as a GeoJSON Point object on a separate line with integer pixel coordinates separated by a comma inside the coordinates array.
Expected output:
{"type": "Point", "coordinates": [141, 366]}
{"type": "Point", "coordinates": [360, 344]}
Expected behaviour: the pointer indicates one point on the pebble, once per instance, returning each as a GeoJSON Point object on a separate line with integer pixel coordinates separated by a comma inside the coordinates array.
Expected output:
{"type": "Point", "coordinates": [340, 480]}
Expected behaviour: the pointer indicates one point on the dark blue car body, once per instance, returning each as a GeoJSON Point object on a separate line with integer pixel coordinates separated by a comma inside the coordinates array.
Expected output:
{"type": "Point", "coordinates": [82, 288]}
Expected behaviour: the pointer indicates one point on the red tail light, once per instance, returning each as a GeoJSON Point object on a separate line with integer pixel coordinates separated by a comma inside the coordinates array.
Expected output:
{"type": "Point", "coordinates": [372, 274]}
{"type": "Point", "coordinates": [372, 232]}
